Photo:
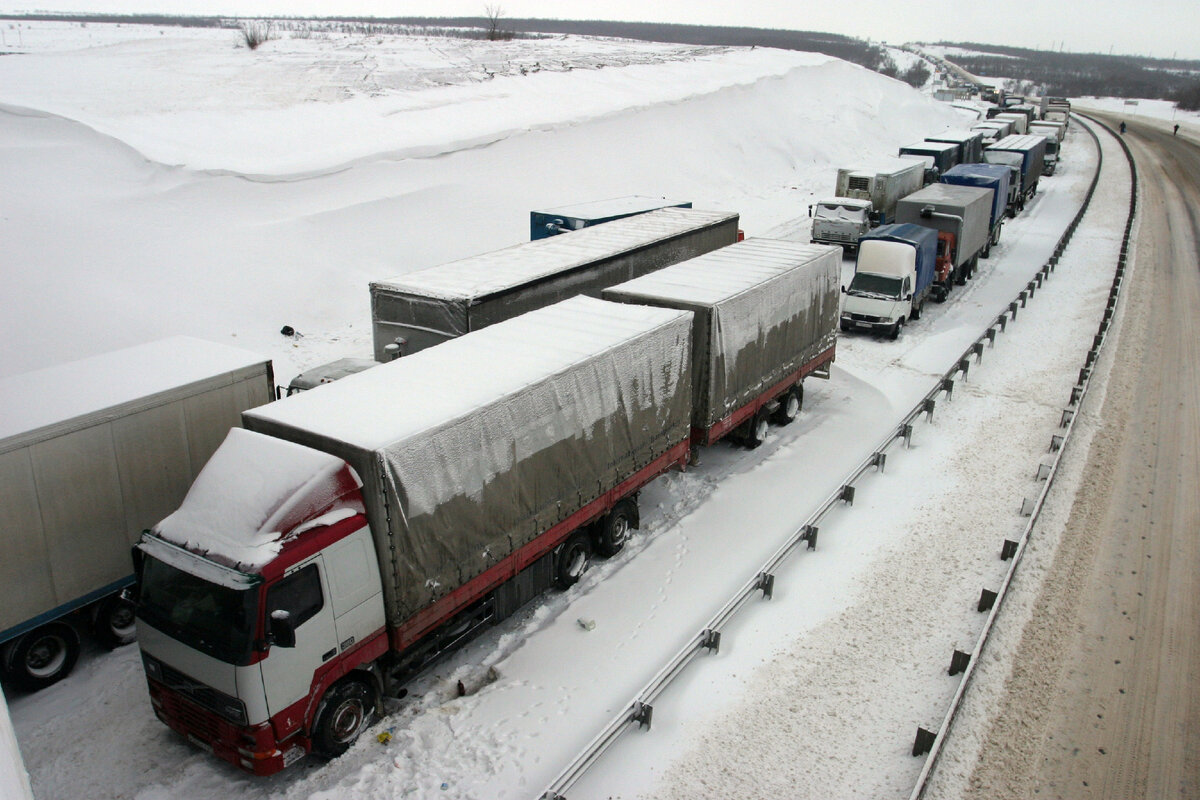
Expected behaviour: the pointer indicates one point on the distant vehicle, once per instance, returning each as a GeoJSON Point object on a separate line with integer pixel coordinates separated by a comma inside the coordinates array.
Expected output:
{"type": "Point", "coordinates": [1054, 132]}
{"type": "Point", "coordinates": [970, 144]}
{"type": "Point", "coordinates": [998, 179]}
{"type": "Point", "coordinates": [328, 373]}
{"type": "Point", "coordinates": [92, 453]}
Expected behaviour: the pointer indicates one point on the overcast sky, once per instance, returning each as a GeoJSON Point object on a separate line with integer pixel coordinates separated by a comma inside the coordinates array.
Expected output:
{"type": "Point", "coordinates": [1162, 28]}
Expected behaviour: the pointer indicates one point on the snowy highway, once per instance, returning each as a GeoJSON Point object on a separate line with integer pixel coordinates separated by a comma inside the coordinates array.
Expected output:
{"type": "Point", "coordinates": [814, 693]}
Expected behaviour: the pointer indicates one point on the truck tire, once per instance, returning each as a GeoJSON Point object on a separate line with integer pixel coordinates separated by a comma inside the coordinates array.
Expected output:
{"type": "Point", "coordinates": [42, 657]}
{"type": "Point", "coordinates": [572, 560]}
{"type": "Point", "coordinates": [613, 530]}
{"type": "Point", "coordinates": [894, 333]}
{"type": "Point", "coordinates": [789, 405]}
{"type": "Point", "coordinates": [345, 712]}
{"type": "Point", "coordinates": [113, 625]}
{"type": "Point", "coordinates": [756, 429]}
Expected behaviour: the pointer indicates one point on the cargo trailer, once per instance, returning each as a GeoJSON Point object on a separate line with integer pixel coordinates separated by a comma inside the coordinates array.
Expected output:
{"type": "Point", "coordinates": [564, 219]}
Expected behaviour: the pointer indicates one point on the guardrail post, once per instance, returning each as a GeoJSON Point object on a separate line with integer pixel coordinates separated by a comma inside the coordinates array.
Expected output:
{"type": "Point", "coordinates": [1012, 309]}
{"type": "Point", "coordinates": [847, 494]}
{"type": "Point", "coordinates": [1027, 506]}
{"type": "Point", "coordinates": [987, 599]}
{"type": "Point", "coordinates": [959, 661]}
{"type": "Point", "coordinates": [924, 742]}
{"type": "Point", "coordinates": [1076, 395]}
{"type": "Point", "coordinates": [978, 349]}
{"type": "Point", "coordinates": [810, 536]}
{"type": "Point", "coordinates": [991, 336]}
{"type": "Point", "coordinates": [1043, 471]}
{"type": "Point", "coordinates": [643, 714]}
{"type": "Point", "coordinates": [948, 387]}
{"type": "Point", "coordinates": [964, 366]}
{"type": "Point", "coordinates": [1067, 416]}
{"type": "Point", "coordinates": [1056, 442]}
{"type": "Point", "coordinates": [927, 408]}
{"type": "Point", "coordinates": [906, 430]}
{"type": "Point", "coordinates": [1008, 549]}
{"type": "Point", "coordinates": [711, 640]}
{"type": "Point", "coordinates": [766, 582]}
{"type": "Point", "coordinates": [1023, 297]}
{"type": "Point", "coordinates": [1084, 374]}
{"type": "Point", "coordinates": [878, 459]}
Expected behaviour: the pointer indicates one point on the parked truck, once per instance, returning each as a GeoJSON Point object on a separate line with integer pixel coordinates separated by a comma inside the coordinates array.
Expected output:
{"type": "Point", "coordinates": [91, 453]}
{"type": "Point", "coordinates": [997, 179]}
{"type": "Point", "coordinates": [349, 536]}
{"type": "Point", "coordinates": [993, 130]}
{"type": "Point", "coordinates": [553, 221]}
{"type": "Point", "coordinates": [878, 185]}
{"type": "Point", "coordinates": [420, 309]}
{"type": "Point", "coordinates": [938, 157]}
{"type": "Point", "coordinates": [970, 144]}
{"type": "Point", "coordinates": [1054, 132]}
{"type": "Point", "coordinates": [893, 276]}
{"type": "Point", "coordinates": [764, 317]}
{"type": "Point", "coordinates": [1027, 154]}
{"type": "Point", "coordinates": [962, 216]}
{"type": "Point", "coordinates": [1020, 122]}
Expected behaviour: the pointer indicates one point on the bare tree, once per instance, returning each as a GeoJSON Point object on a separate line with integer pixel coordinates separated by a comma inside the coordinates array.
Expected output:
{"type": "Point", "coordinates": [493, 12]}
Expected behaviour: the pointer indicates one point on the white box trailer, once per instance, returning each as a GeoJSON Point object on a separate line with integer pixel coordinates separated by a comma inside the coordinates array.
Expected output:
{"type": "Point", "coordinates": [432, 305]}
{"type": "Point", "coordinates": [92, 453]}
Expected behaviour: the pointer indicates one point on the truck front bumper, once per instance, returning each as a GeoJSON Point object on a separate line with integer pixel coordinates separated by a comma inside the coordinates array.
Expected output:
{"type": "Point", "coordinates": [252, 748]}
{"type": "Point", "coordinates": [865, 322]}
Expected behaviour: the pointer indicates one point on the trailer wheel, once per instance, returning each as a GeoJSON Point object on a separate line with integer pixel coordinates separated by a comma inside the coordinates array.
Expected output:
{"type": "Point", "coordinates": [114, 624]}
{"type": "Point", "coordinates": [756, 429]}
{"type": "Point", "coordinates": [344, 713]}
{"type": "Point", "coordinates": [613, 531]}
{"type": "Point", "coordinates": [42, 657]}
{"type": "Point", "coordinates": [789, 405]}
{"type": "Point", "coordinates": [572, 560]}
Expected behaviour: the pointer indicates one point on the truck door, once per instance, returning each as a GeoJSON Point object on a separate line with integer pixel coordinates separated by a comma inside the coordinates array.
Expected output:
{"type": "Point", "coordinates": [287, 672]}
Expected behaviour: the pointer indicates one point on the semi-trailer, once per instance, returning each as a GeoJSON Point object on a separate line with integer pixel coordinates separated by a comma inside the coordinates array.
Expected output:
{"type": "Point", "coordinates": [998, 179]}
{"type": "Point", "coordinates": [880, 183]}
{"type": "Point", "coordinates": [563, 219]}
{"type": "Point", "coordinates": [93, 452]}
{"type": "Point", "coordinates": [962, 216]}
{"type": "Point", "coordinates": [1027, 154]}
{"type": "Point", "coordinates": [893, 275]}
{"type": "Point", "coordinates": [1020, 122]}
{"type": "Point", "coordinates": [970, 144]}
{"type": "Point", "coordinates": [423, 308]}
{"type": "Point", "coordinates": [764, 317]}
{"type": "Point", "coordinates": [349, 536]}
{"type": "Point", "coordinates": [993, 130]}
{"type": "Point", "coordinates": [938, 157]}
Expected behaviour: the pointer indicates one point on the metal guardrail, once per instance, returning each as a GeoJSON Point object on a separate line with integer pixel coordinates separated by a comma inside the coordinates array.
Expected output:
{"type": "Point", "coordinates": [928, 741]}
{"type": "Point", "coordinates": [640, 709]}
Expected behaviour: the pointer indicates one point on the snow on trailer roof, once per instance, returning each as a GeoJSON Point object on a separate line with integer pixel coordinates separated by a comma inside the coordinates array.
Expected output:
{"type": "Point", "coordinates": [949, 193]}
{"type": "Point", "coordinates": [933, 147]}
{"type": "Point", "coordinates": [397, 400]}
{"type": "Point", "coordinates": [882, 165]}
{"type": "Point", "coordinates": [721, 274]}
{"type": "Point", "coordinates": [632, 204]}
{"type": "Point", "coordinates": [1017, 142]}
{"type": "Point", "coordinates": [58, 394]}
{"type": "Point", "coordinates": [491, 273]}
{"type": "Point", "coordinates": [954, 135]}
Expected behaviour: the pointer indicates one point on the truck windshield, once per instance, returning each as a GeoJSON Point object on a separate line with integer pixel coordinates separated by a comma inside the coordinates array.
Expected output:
{"type": "Point", "coordinates": [213, 619]}
{"type": "Point", "coordinates": [839, 212]}
{"type": "Point", "coordinates": [867, 285]}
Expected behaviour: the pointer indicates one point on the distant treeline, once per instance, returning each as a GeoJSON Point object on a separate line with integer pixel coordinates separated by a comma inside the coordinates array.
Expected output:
{"type": "Point", "coordinates": [1079, 74]}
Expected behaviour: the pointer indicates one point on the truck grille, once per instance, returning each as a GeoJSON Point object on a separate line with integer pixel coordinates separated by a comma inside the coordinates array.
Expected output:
{"type": "Point", "coordinates": [863, 318]}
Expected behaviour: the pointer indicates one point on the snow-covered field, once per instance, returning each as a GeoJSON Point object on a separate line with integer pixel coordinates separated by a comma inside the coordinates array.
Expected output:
{"type": "Point", "coordinates": [169, 182]}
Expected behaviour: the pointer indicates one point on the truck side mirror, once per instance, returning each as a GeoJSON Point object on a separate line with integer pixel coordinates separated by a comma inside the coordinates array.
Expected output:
{"type": "Point", "coordinates": [843, 290]}
{"type": "Point", "coordinates": [810, 210]}
{"type": "Point", "coordinates": [908, 296]}
{"type": "Point", "coordinates": [282, 633]}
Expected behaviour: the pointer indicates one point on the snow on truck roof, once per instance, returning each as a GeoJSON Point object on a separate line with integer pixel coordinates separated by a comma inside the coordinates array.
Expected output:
{"type": "Point", "coordinates": [419, 392]}
{"type": "Point", "coordinates": [721, 274]}
{"type": "Point", "coordinates": [58, 394]}
{"type": "Point", "coordinates": [498, 271]}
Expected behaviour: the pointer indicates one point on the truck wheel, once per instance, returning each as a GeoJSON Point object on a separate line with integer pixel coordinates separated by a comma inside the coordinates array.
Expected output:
{"type": "Point", "coordinates": [114, 624]}
{"type": "Point", "coordinates": [789, 405]}
{"type": "Point", "coordinates": [894, 333]}
{"type": "Point", "coordinates": [613, 530]}
{"type": "Point", "coordinates": [756, 430]}
{"type": "Point", "coordinates": [42, 657]}
{"type": "Point", "coordinates": [573, 558]}
{"type": "Point", "coordinates": [345, 712]}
